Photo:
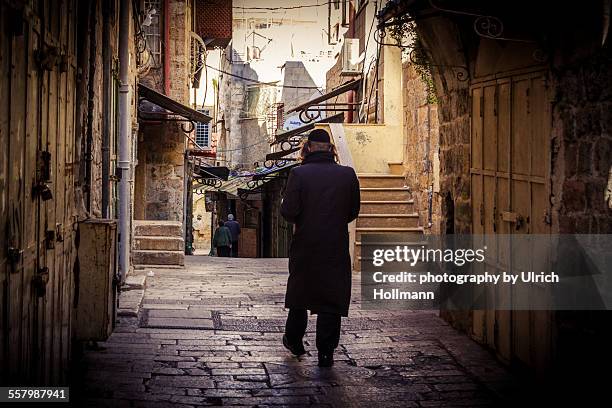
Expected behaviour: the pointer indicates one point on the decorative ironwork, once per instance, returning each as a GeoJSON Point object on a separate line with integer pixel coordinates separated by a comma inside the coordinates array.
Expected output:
{"type": "Point", "coordinates": [244, 194]}
{"type": "Point", "coordinates": [270, 164]}
{"type": "Point", "coordinates": [488, 27]}
{"type": "Point", "coordinates": [308, 115]}
{"type": "Point", "coordinates": [253, 184]}
{"type": "Point", "coordinates": [290, 144]}
{"type": "Point", "coordinates": [210, 182]}
{"type": "Point", "coordinates": [189, 128]}
{"type": "Point", "coordinates": [311, 110]}
{"type": "Point", "coordinates": [485, 26]}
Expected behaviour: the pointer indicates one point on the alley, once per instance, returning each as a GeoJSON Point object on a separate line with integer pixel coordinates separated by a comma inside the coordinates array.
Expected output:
{"type": "Point", "coordinates": [209, 334]}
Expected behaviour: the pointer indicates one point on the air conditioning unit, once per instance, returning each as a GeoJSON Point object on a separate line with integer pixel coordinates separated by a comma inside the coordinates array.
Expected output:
{"type": "Point", "coordinates": [350, 57]}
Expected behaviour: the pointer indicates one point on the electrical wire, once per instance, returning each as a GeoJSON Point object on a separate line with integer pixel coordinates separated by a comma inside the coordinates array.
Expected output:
{"type": "Point", "coordinates": [283, 8]}
{"type": "Point", "coordinates": [263, 83]}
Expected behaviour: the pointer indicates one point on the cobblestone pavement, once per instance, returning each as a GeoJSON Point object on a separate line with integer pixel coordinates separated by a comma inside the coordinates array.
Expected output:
{"type": "Point", "coordinates": [210, 334]}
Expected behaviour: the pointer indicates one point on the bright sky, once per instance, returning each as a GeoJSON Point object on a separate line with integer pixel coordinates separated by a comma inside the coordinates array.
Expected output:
{"type": "Point", "coordinates": [281, 35]}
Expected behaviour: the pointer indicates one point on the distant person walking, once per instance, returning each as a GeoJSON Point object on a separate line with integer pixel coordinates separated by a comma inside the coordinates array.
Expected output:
{"type": "Point", "coordinates": [234, 228]}
{"type": "Point", "coordinates": [321, 199]}
{"type": "Point", "coordinates": [222, 240]}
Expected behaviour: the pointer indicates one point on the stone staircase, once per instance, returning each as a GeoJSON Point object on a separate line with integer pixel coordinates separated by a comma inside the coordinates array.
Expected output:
{"type": "Point", "coordinates": [387, 211]}
{"type": "Point", "coordinates": [158, 243]}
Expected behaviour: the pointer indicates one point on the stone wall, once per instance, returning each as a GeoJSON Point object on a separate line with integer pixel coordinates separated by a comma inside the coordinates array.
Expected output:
{"type": "Point", "coordinates": [421, 160]}
{"type": "Point", "coordinates": [454, 125]}
{"type": "Point", "coordinates": [582, 145]}
{"type": "Point", "coordinates": [164, 171]}
{"type": "Point", "coordinates": [580, 83]}
{"type": "Point", "coordinates": [97, 122]}
{"type": "Point", "coordinates": [241, 127]}
{"type": "Point", "coordinates": [94, 121]}
{"type": "Point", "coordinates": [162, 146]}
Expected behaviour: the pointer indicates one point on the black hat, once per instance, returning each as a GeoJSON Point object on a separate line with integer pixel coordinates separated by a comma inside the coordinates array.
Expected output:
{"type": "Point", "coordinates": [319, 135]}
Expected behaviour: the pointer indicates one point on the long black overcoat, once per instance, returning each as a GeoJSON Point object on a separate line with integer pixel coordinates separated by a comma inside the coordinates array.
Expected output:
{"type": "Point", "coordinates": [321, 198]}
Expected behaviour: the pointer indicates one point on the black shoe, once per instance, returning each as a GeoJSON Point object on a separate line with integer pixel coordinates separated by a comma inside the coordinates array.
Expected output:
{"type": "Point", "coordinates": [326, 359]}
{"type": "Point", "coordinates": [295, 350]}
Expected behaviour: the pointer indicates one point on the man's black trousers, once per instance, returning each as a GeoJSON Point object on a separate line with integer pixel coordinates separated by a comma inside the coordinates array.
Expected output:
{"type": "Point", "coordinates": [328, 329]}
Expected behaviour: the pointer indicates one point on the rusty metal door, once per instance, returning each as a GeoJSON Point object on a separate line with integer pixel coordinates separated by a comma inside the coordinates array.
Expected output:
{"type": "Point", "coordinates": [510, 177]}
{"type": "Point", "coordinates": [37, 82]}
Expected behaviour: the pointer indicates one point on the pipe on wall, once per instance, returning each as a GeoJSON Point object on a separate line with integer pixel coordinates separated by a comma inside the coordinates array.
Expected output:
{"type": "Point", "coordinates": [107, 125]}
{"type": "Point", "coordinates": [125, 120]}
{"type": "Point", "coordinates": [93, 34]}
{"type": "Point", "coordinates": [166, 47]}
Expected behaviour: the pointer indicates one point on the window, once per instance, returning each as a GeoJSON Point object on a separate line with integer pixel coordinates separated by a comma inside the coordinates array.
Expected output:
{"type": "Point", "coordinates": [152, 31]}
{"type": "Point", "coordinates": [202, 136]}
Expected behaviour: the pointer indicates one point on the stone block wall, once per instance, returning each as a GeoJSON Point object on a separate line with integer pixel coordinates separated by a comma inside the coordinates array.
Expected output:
{"type": "Point", "coordinates": [580, 85]}
{"type": "Point", "coordinates": [454, 125]}
{"type": "Point", "coordinates": [421, 161]}
{"type": "Point", "coordinates": [582, 145]}
{"type": "Point", "coordinates": [164, 171]}
{"type": "Point", "coordinates": [161, 174]}
{"type": "Point", "coordinates": [240, 130]}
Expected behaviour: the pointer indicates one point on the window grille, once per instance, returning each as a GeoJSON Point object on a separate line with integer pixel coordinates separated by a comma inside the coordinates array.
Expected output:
{"type": "Point", "coordinates": [152, 32]}
{"type": "Point", "coordinates": [202, 136]}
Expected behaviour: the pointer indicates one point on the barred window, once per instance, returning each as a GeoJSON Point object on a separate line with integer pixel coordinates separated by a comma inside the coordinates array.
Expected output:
{"type": "Point", "coordinates": [202, 136]}
{"type": "Point", "coordinates": [152, 32]}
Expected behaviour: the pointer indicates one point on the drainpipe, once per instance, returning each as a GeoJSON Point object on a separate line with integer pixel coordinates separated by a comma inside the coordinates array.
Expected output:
{"type": "Point", "coordinates": [125, 121]}
{"type": "Point", "coordinates": [106, 58]}
{"type": "Point", "coordinates": [93, 35]}
{"type": "Point", "coordinates": [166, 18]}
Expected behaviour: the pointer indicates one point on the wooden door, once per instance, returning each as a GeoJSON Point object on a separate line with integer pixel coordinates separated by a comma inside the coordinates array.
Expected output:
{"type": "Point", "coordinates": [37, 83]}
{"type": "Point", "coordinates": [510, 177]}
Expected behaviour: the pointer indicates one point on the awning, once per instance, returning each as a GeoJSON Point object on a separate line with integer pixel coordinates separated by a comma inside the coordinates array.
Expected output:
{"type": "Point", "coordinates": [242, 185]}
{"type": "Point", "coordinates": [207, 172]}
{"type": "Point", "coordinates": [267, 173]}
{"type": "Point", "coordinates": [282, 153]}
{"type": "Point", "coordinates": [345, 87]}
{"type": "Point", "coordinates": [170, 105]}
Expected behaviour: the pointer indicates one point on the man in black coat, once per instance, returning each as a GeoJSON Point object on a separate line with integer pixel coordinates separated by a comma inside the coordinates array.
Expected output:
{"type": "Point", "coordinates": [321, 198]}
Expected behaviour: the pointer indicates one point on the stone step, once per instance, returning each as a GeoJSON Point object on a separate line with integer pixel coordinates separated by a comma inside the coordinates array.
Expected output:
{"type": "Point", "coordinates": [396, 168]}
{"type": "Point", "coordinates": [384, 194]}
{"type": "Point", "coordinates": [159, 243]}
{"type": "Point", "coordinates": [403, 233]}
{"type": "Point", "coordinates": [154, 257]}
{"type": "Point", "coordinates": [388, 220]}
{"type": "Point", "coordinates": [158, 228]}
{"type": "Point", "coordinates": [381, 180]}
{"type": "Point", "coordinates": [387, 207]}
{"type": "Point", "coordinates": [150, 267]}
